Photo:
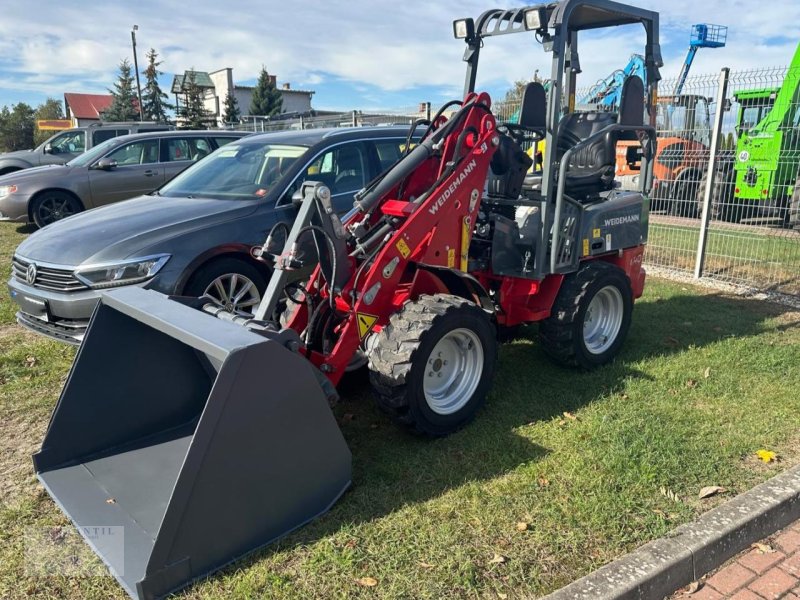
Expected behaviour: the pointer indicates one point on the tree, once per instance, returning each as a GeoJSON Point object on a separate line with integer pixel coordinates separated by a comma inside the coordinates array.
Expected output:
{"type": "Point", "coordinates": [17, 127]}
{"type": "Point", "coordinates": [48, 110]}
{"type": "Point", "coordinates": [193, 113]}
{"type": "Point", "coordinates": [123, 107]}
{"type": "Point", "coordinates": [154, 100]}
{"type": "Point", "coordinates": [267, 99]}
{"type": "Point", "coordinates": [231, 113]}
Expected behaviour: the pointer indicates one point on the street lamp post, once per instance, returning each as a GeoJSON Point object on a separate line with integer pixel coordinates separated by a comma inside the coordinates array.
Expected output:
{"type": "Point", "coordinates": [136, 68]}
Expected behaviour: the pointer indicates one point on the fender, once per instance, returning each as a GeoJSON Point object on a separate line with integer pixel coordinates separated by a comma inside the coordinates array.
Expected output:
{"type": "Point", "coordinates": [453, 281]}
{"type": "Point", "coordinates": [233, 250]}
{"type": "Point", "coordinates": [14, 163]}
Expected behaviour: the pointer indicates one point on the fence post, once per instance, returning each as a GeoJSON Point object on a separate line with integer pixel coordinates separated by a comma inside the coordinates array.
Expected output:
{"type": "Point", "coordinates": [355, 118]}
{"type": "Point", "coordinates": [302, 123]}
{"type": "Point", "coordinates": [716, 133]}
{"type": "Point", "coordinates": [427, 111]}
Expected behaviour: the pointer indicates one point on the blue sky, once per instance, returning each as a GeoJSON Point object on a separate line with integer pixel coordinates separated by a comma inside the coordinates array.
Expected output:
{"type": "Point", "coordinates": [355, 55]}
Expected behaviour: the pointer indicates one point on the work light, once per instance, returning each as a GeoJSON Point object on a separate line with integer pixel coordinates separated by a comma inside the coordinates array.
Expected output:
{"type": "Point", "coordinates": [536, 18]}
{"type": "Point", "coordinates": [464, 29]}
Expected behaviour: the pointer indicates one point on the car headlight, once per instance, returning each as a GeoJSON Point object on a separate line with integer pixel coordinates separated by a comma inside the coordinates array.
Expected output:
{"type": "Point", "coordinates": [128, 272]}
{"type": "Point", "coordinates": [5, 190]}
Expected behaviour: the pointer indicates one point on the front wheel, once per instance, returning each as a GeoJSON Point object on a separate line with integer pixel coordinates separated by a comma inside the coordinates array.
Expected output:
{"type": "Point", "coordinates": [233, 284]}
{"type": "Point", "coordinates": [590, 317]}
{"type": "Point", "coordinates": [52, 206]}
{"type": "Point", "coordinates": [723, 207]}
{"type": "Point", "coordinates": [432, 365]}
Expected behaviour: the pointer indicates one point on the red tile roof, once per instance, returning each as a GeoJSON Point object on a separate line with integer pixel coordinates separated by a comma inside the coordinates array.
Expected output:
{"type": "Point", "coordinates": [87, 106]}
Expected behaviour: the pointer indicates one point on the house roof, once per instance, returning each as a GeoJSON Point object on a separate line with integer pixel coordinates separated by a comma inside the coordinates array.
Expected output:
{"type": "Point", "coordinates": [201, 79]}
{"type": "Point", "coordinates": [87, 106]}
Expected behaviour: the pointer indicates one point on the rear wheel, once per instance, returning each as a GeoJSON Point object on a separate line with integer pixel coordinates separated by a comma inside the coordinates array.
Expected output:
{"type": "Point", "coordinates": [233, 284]}
{"type": "Point", "coordinates": [722, 197]}
{"type": "Point", "coordinates": [51, 206]}
{"type": "Point", "coordinates": [432, 365]}
{"type": "Point", "coordinates": [590, 317]}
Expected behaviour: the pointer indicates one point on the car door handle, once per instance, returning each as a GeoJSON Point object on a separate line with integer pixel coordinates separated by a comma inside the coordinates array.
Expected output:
{"type": "Point", "coordinates": [149, 173]}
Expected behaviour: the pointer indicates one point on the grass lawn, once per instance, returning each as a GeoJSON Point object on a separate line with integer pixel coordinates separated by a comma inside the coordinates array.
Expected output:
{"type": "Point", "coordinates": [733, 254]}
{"type": "Point", "coordinates": [561, 472]}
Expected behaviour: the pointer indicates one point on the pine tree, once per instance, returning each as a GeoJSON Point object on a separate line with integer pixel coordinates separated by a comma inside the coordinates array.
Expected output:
{"type": "Point", "coordinates": [267, 99]}
{"type": "Point", "coordinates": [122, 107]}
{"type": "Point", "coordinates": [16, 127]}
{"type": "Point", "coordinates": [231, 113]}
{"type": "Point", "coordinates": [154, 100]}
{"type": "Point", "coordinates": [193, 113]}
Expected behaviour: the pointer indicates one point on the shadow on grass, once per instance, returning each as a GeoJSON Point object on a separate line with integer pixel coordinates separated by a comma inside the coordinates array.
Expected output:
{"type": "Point", "coordinates": [393, 469]}
{"type": "Point", "coordinates": [26, 228]}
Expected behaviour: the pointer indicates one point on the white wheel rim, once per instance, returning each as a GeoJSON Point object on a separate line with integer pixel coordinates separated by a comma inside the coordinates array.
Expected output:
{"type": "Point", "coordinates": [603, 320]}
{"type": "Point", "coordinates": [453, 371]}
{"type": "Point", "coordinates": [234, 292]}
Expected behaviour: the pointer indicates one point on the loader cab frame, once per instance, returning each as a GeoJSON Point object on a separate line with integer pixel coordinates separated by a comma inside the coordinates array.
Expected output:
{"type": "Point", "coordinates": [557, 27]}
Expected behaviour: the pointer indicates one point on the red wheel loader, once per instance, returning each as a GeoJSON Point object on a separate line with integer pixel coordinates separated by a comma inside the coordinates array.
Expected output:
{"type": "Point", "coordinates": [200, 435]}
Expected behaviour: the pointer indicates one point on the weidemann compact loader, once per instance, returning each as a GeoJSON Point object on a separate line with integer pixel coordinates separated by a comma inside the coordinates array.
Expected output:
{"type": "Point", "coordinates": [194, 436]}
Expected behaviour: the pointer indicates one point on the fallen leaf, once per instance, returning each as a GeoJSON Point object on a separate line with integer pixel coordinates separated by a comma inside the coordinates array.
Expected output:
{"type": "Point", "coordinates": [425, 565]}
{"type": "Point", "coordinates": [570, 416]}
{"type": "Point", "coordinates": [767, 456]}
{"type": "Point", "coordinates": [30, 361]}
{"type": "Point", "coordinates": [502, 596]}
{"type": "Point", "coordinates": [497, 559]}
{"type": "Point", "coordinates": [692, 383]}
{"type": "Point", "coordinates": [347, 417]}
{"type": "Point", "coordinates": [764, 548]}
{"type": "Point", "coordinates": [367, 581]}
{"type": "Point", "coordinates": [707, 373]}
{"type": "Point", "coordinates": [111, 501]}
{"type": "Point", "coordinates": [670, 494]}
{"type": "Point", "coordinates": [671, 341]}
{"type": "Point", "coordinates": [710, 490]}
{"type": "Point", "coordinates": [522, 526]}
{"type": "Point", "coordinates": [624, 396]}
{"type": "Point", "coordinates": [543, 482]}
{"type": "Point", "coordinates": [692, 588]}
{"type": "Point", "coordinates": [350, 544]}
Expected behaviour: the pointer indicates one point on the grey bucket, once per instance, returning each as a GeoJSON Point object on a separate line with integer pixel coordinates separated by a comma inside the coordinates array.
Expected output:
{"type": "Point", "coordinates": [202, 440]}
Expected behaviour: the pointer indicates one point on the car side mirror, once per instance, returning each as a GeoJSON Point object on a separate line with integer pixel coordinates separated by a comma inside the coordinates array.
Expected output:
{"type": "Point", "coordinates": [48, 149]}
{"type": "Point", "coordinates": [106, 164]}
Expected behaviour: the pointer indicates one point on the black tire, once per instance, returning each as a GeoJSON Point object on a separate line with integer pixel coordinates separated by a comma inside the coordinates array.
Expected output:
{"type": "Point", "coordinates": [722, 197]}
{"type": "Point", "coordinates": [793, 214]}
{"type": "Point", "coordinates": [52, 205]}
{"type": "Point", "coordinates": [562, 334]}
{"type": "Point", "coordinates": [401, 359]}
{"type": "Point", "coordinates": [684, 204]}
{"type": "Point", "coordinates": [222, 268]}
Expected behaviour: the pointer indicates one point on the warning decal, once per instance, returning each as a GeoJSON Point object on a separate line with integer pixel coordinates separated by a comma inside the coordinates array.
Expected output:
{"type": "Point", "coordinates": [403, 248]}
{"type": "Point", "coordinates": [365, 323]}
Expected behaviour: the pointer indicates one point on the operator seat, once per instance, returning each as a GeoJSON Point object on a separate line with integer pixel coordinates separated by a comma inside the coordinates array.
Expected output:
{"type": "Point", "coordinates": [510, 163]}
{"type": "Point", "coordinates": [591, 169]}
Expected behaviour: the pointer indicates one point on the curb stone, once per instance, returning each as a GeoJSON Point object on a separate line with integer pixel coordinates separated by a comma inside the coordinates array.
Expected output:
{"type": "Point", "coordinates": [660, 567]}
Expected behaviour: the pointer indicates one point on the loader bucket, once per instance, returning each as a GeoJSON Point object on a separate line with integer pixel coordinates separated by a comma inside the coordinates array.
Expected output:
{"type": "Point", "coordinates": [197, 439]}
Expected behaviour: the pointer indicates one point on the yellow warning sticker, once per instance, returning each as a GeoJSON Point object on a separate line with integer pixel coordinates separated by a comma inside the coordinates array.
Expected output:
{"type": "Point", "coordinates": [596, 233]}
{"type": "Point", "coordinates": [451, 257]}
{"type": "Point", "coordinates": [403, 248]}
{"type": "Point", "coordinates": [365, 323]}
{"type": "Point", "coordinates": [586, 247]}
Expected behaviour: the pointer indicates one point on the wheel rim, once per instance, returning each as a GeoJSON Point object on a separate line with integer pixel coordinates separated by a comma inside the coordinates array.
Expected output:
{"type": "Point", "coordinates": [234, 292]}
{"type": "Point", "coordinates": [603, 320]}
{"type": "Point", "coordinates": [453, 371]}
{"type": "Point", "coordinates": [53, 209]}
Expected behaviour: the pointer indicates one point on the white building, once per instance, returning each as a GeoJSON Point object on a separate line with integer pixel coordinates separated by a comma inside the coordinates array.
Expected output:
{"type": "Point", "coordinates": [217, 84]}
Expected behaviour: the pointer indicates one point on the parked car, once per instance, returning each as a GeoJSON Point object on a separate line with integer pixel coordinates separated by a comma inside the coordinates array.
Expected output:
{"type": "Point", "coordinates": [193, 236]}
{"type": "Point", "coordinates": [66, 145]}
{"type": "Point", "coordinates": [117, 169]}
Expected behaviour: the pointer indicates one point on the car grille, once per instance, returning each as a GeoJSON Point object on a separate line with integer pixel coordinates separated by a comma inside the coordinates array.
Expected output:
{"type": "Point", "coordinates": [71, 332]}
{"type": "Point", "coordinates": [47, 278]}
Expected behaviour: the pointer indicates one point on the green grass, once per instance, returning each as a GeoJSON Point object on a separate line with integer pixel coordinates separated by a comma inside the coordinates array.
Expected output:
{"type": "Point", "coordinates": [737, 255]}
{"type": "Point", "coordinates": [426, 517]}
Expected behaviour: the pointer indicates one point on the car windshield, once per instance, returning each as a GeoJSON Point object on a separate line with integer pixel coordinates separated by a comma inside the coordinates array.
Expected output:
{"type": "Point", "coordinates": [87, 158]}
{"type": "Point", "coordinates": [242, 171]}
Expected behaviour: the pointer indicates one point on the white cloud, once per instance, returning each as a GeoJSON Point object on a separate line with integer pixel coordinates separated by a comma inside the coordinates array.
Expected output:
{"type": "Point", "coordinates": [394, 46]}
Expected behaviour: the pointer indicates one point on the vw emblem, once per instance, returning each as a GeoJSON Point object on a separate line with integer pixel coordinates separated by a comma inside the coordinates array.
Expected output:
{"type": "Point", "coordinates": [30, 274]}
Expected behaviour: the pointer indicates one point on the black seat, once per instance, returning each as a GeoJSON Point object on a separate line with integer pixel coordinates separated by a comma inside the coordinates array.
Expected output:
{"type": "Point", "coordinates": [350, 174]}
{"type": "Point", "coordinates": [591, 169]}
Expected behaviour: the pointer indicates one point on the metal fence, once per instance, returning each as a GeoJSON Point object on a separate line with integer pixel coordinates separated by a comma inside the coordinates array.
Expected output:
{"type": "Point", "coordinates": [319, 119]}
{"type": "Point", "coordinates": [748, 234]}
